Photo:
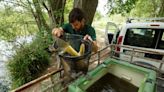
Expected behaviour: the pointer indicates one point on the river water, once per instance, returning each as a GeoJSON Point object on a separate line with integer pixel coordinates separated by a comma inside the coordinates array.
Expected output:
{"type": "Point", "coordinates": [6, 52]}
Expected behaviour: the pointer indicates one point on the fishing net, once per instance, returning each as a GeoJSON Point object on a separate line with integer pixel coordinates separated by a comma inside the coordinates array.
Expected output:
{"type": "Point", "coordinates": [76, 63]}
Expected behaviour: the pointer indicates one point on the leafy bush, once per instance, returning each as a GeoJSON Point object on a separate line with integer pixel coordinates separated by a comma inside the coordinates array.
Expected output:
{"type": "Point", "coordinates": [29, 62]}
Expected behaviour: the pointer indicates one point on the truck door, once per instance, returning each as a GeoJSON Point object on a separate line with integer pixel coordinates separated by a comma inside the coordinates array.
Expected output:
{"type": "Point", "coordinates": [111, 33]}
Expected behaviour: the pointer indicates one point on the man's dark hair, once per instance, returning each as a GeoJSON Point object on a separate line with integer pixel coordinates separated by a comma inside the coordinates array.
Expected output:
{"type": "Point", "coordinates": [76, 14]}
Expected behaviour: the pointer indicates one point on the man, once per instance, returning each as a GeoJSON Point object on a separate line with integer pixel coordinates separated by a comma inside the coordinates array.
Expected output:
{"type": "Point", "coordinates": [77, 25]}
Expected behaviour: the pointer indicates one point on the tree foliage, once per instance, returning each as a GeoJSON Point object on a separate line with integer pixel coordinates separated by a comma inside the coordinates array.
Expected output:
{"type": "Point", "coordinates": [15, 22]}
{"type": "Point", "coordinates": [121, 6]}
{"type": "Point", "coordinates": [67, 9]}
{"type": "Point", "coordinates": [136, 8]}
{"type": "Point", "coordinates": [150, 8]}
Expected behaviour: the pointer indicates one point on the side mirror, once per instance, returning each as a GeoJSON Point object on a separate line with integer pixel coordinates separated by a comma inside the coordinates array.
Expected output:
{"type": "Point", "coordinates": [110, 37]}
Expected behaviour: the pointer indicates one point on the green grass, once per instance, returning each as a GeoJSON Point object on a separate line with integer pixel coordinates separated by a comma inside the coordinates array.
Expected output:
{"type": "Point", "coordinates": [29, 62]}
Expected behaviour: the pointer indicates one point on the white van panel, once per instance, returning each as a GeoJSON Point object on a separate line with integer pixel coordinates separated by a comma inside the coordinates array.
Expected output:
{"type": "Point", "coordinates": [152, 25]}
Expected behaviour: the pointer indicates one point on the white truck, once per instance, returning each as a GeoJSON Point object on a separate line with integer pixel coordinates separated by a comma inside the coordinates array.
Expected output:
{"type": "Point", "coordinates": [140, 41]}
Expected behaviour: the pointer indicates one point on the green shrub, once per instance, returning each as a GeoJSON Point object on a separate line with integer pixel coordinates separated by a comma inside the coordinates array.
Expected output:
{"type": "Point", "coordinates": [29, 62]}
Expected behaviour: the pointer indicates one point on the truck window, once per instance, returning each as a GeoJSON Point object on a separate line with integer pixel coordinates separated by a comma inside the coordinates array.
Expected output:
{"type": "Point", "coordinates": [141, 37]}
{"type": "Point", "coordinates": [161, 40]}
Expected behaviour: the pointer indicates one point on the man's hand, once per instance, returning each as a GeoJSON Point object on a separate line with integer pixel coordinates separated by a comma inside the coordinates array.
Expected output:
{"type": "Point", "coordinates": [57, 32]}
{"type": "Point", "coordinates": [94, 43]}
{"type": "Point", "coordinates": [87, 37]}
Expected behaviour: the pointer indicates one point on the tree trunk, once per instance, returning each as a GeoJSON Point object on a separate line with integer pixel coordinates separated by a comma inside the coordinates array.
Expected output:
{"type": "Point", "coordinates": [37, 13]}
{"type": "Point", "coordinates": [56, 12]}
{"type": "Point", "coordinates": [89, 8]}
{"type": "Point", "coordinates": [161, 11]}
{"type": "Point", "coordinates": [55, 9]}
